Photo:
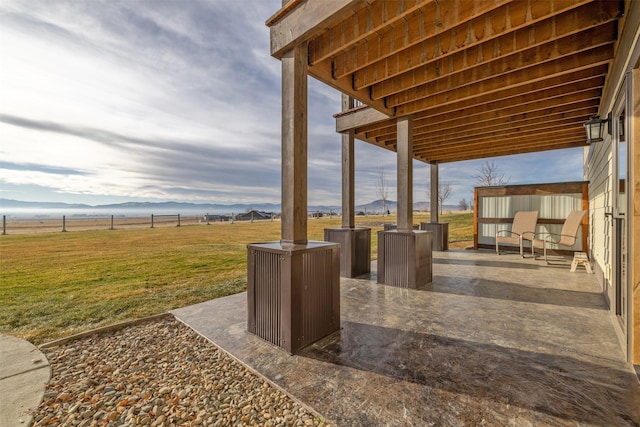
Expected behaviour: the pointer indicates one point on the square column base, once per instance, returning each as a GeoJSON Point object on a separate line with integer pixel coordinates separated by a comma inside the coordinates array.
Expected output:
{"type": "Point", "coordinates": [355, 249]}
{"type": "Point", "coordinates": [405, 258]}
{"type": "Point", "coordinates": [440, 232]}
{"type": "Point", "coordinates": [293, 292]}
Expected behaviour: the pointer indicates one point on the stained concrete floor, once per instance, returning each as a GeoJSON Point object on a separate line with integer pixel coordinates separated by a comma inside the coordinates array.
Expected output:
{"type": "Point", "coordinates": [492, 341]}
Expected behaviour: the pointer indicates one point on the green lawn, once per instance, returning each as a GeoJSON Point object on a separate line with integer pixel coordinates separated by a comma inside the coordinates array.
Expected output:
{"type": "Point", "coordinates": [57, 284]}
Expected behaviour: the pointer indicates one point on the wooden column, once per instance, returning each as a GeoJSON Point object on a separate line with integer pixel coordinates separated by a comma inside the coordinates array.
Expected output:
{"type": "Point", "coordinates": [405, 173]}
{"type": "Point", "coordinates": [294, 145]}
{"type": "Point", "coordinates": [355, 243]}
{"type": "Point", "coordinates": [634, 217]}
{"type": "Point", "coordinates": [348, 185]}
{"type": "Point", "coordinates": [435, 187]}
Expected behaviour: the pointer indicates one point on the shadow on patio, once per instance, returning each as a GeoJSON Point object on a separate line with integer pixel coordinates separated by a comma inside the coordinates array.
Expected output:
{"type": "Point", "coordinates": [494, 341]}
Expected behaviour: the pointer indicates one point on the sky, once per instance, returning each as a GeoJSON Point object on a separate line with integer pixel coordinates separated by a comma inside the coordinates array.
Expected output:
{"type": "Point", "coordinates": [179, 100]}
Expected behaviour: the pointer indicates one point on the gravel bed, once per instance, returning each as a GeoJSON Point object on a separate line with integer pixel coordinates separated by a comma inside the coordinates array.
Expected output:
{"type": "Point", "coordinates": [158, 373]}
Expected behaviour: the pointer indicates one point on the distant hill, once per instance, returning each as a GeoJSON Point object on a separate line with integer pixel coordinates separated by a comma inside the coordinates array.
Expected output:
{"type": "Point", "coordinates": [16, 207]}
{"type": "Point", "coordinates": [8, 206]}
{"type": "Point", "coordinates": [377, 207]}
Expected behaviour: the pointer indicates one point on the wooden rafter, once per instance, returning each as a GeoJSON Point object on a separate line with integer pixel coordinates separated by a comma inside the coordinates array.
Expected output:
{"type": "Point", "coordinates": [489, 47]}
{"type": "Point", "coordinates": [454, 89]}
{"type": "Point", "coordinates": [478, 77]}
{"type": "Point", "coordinates": [559, 91]}
{"type": "Point", "coordinates": [493, 119]}
{"type": "Point", "coordinates": [460, 69]}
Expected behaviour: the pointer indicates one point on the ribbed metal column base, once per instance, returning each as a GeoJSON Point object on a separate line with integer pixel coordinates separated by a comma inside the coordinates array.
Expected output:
{"type": "Point", "coordinates": [355, 249]}
{"type": "Point", "coordinates": [405, 258]}
{"type": "Point", "coordinates": [293, 292]}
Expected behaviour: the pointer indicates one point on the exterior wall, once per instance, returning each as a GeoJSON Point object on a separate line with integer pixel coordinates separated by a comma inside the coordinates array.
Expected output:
{"type": "Point", "coordinates": [599, 173]}
{"type": "Point", "coordinates": [634, 220]}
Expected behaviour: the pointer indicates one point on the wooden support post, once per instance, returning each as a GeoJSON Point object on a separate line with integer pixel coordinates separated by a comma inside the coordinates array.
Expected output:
{"type": "Point", "coordinates": [294, 145]}
{"type": "Point", "coordinates": [405, 173]}
{"type": "Point", "coordinates": [435, 188]}
{"type": "Point", "coordinates": [348, 186]}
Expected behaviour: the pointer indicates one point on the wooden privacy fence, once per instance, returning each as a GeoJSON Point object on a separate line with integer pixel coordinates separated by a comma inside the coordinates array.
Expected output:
{"type": "Point", "coordinates": [495, 207]}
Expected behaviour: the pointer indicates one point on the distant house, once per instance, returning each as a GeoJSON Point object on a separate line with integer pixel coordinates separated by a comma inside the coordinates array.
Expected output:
{"type": "Point", "coordinates": [216, 218]}
{"type": "Point", "coordinates": [254, 215]}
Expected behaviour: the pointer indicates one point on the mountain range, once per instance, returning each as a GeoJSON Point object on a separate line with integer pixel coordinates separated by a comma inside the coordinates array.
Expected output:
{"type": "Point", "coordinates": [15, 207]}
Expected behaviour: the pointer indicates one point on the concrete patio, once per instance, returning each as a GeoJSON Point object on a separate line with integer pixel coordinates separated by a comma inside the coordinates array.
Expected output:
{"type": "Point", "coordinates": [494, 340]}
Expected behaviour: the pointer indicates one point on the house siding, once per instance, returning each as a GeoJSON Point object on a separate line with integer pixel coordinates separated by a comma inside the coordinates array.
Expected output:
{"type": "Point", "coordinates": [599, 171]}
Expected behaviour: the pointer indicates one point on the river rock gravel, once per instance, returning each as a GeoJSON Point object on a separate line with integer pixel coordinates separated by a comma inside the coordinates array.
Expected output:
{"type": "Point", "coordinates": [158, 373]}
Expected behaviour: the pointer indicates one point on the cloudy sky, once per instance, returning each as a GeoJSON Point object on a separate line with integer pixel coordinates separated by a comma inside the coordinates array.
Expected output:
{"type": "Point", "coordinates": [154, 100]}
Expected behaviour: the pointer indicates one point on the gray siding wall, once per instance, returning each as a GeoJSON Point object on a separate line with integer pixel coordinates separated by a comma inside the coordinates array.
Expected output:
{"type": "Point", "coordinates": [599, 173]}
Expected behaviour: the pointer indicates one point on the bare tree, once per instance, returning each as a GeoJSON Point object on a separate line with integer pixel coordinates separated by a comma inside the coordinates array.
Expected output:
{"type": "Point", "coordinates": [382, 190]}
{"type": "Point", "coordinates": [444, 194]}
{"type": "Point", "coordinates": [463, 204]}
{"type": "Point", "coordinates": [488, 175]}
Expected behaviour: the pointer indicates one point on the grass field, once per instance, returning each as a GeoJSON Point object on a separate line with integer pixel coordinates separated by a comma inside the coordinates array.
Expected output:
{"type": "Point", "coordinates": [57, 284]}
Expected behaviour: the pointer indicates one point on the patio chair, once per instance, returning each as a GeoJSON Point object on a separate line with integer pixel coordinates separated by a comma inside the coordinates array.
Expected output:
{"type": "Point", "coordinates": [567, 236]}
{"type": "Point", "coordinates": [523, 228]}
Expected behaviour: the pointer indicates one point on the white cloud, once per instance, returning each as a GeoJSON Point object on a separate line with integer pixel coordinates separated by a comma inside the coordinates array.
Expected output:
{"type": "Point", "coordinates": [166, 100]}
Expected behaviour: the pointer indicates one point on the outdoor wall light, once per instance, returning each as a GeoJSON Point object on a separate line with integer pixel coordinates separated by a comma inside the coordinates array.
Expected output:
{"type": "Point", "coordinates": [595, 129]}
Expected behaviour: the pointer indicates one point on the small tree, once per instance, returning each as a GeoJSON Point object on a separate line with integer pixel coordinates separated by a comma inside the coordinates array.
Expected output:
{"type": "Point", "coordinates": [463, 204]}
{"type": "Point", "coordinates": [488, 175]}
{"type": "Point", "coordinates": [444, 194]}
{"type": "Point", "coordinates": [382, 191]}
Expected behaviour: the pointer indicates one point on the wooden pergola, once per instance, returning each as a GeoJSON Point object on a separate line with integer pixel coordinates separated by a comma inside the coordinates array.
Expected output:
{"type": "Point", "coordinates": [479, 78]}
{"type": "Point", "coordinates": [434, 81]}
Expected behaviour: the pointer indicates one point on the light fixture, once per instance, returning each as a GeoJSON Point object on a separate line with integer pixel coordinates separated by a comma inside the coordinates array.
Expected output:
{"type": "Point", "coordinates": [595, 129]}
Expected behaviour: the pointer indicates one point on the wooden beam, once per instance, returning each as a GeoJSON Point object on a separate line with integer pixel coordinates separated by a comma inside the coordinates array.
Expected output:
{"type": "Point", "coordinates": [411, 103]}
{"type": "Point", "coordinates": [498, 138]}
{"type": "Point", "coordinates": [560, 91]}
{"type": "Point", "coordinates": [494, 119]}
{"type": "Point", "coordinates": [460, 68]}
{"type": "Point", "coordinates": [363, 23]}
{"type": "Point", "coordinates": [486, 48]}
{"type": "Point", "coordinates": [304, 21]}
{"type": "Point", "coordinates": [459, 24]}
{"type": "Point", "coordinates": [431, 19]}
{"type": "Point", "coordinates": [359, 118]}
{"type": "Point", "coordinates": [564, 91]}
{"type": "Point", "coordinates": [521, 148]}
{"type": "Point", "coordinates": [487, 131]}
{"type": "Point", "coordinates": [547, 138]}
{"type": "Point", "coordinates": [465, 85]}
{"type": "Point", "coordinates": [322, 72]}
